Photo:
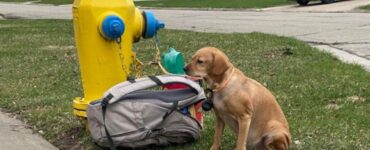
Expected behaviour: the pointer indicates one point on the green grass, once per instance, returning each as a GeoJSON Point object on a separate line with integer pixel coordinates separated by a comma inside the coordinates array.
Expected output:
{"type": "Point", "coordinates": [39, 77]}
{"type": "Point", "coordinates": [55, 2]}
{"type": "Point", "coordinates": [213, 3]}
{"type": "Point", "coordinates": [366, 7]}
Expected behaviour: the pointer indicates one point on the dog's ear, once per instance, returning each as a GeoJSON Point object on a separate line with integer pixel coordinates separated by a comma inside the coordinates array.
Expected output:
{"type": "Point", "coordinates": [220, 64]}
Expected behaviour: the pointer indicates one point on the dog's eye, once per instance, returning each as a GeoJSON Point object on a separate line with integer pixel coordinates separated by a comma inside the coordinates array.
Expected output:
{"type": "Point", "coordinates": [200, 61]}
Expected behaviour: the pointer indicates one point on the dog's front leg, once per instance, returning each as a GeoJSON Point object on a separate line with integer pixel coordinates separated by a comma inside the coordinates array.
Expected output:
{"type": "Point", "coordinates": [220, 125]}
{"type": "Point", "coordinates": [243, 123]}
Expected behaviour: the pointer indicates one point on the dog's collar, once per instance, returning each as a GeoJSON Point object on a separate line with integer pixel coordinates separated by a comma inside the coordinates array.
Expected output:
{"type": "Point", "coordinates": [225, 83]}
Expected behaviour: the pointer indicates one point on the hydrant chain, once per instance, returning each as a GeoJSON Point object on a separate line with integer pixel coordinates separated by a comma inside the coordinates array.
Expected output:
{"type": "Point", "coordinates": [122, 58]}
{"type": "Point", "coordinates": [119, 42]}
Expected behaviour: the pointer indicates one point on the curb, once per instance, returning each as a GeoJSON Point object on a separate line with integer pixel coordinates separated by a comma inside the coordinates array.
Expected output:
{"type": "Point", "coordinates": [16, 135]}
{"type": "Point", "coordinates": [344, 56]}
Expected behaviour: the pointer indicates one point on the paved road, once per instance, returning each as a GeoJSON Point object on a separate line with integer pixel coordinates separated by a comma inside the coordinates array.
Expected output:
{"type": "Point", "coordinates": [14, 135]}
{"type": "Point", "coordinates": [345, 31]}
{"type": "Point", "coordinates": [316, 6]}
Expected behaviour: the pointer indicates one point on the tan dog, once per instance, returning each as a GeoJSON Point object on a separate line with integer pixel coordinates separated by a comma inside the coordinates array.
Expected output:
{"type": "Point", "coordinates": [246, 106]}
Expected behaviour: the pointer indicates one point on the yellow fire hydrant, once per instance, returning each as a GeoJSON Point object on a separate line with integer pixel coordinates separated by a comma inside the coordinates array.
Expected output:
{"type": "Point", "coordinates": [104, 32]}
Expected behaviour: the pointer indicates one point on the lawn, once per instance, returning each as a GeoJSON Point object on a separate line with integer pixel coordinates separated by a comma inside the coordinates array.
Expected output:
{"type": "Point", "coordinates": [213, 3]}
{"type": "Point", "coordinates": [325, 101]}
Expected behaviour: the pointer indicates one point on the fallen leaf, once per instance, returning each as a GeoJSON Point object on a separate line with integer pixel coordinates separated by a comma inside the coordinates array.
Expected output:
{"type": "Point", "coordinates": [41, 132]}
{"type": "Point", "coordinates": [355, 99]}
{"type": "Point", "coordinates": [297, 142]}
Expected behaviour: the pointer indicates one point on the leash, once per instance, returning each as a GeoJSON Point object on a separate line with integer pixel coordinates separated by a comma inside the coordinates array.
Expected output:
{"type": "Point", "coordinates": [207, 105]}
{"type": "Point", "coordinates": [157, 61]}
{"type": "Point", "coordinates": [157, 58]}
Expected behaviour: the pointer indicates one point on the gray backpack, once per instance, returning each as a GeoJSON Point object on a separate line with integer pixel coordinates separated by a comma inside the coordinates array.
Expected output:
{"type": "Point", "coordinates": [130, 116]}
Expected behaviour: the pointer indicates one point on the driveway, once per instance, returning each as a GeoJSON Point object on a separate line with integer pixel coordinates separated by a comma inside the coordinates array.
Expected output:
{"type": "Point", "coordinates": [343, 32]}
{"type": "Point", "coordinates": [316, 6]}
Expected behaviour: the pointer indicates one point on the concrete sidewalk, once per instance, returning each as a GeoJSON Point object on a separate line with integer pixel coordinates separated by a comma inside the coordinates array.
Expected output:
{"type": "Point", "coordinates": [14, 135]}
{"type": "Point", "coordinates": [34, 11]}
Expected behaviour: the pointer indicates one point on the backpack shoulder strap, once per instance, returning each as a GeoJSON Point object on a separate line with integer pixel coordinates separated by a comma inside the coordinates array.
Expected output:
{"type": "Point", "coordinates": [121, 89]}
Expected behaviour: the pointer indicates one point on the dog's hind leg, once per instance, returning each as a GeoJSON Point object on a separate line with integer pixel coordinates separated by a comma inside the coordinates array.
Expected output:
{"type": "Point", "coordinates": [276, 137]}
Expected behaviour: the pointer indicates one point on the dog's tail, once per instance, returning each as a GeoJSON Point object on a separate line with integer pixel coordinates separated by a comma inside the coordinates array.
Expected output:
{"type": "Point", "coordinates": [274, 141]}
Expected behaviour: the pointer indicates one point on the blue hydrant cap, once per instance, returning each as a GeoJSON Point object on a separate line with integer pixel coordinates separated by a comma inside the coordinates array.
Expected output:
{"type": "Point", "coordinates": [152, 24]}
{"type": "Point", "coordinates": [112, 27]}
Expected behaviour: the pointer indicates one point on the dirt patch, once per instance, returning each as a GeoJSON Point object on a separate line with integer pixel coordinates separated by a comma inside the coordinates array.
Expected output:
{"type": "Point", "coordinates": [278, 52]}
{"type": "Point", "coordinates": [69, 140]}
